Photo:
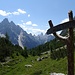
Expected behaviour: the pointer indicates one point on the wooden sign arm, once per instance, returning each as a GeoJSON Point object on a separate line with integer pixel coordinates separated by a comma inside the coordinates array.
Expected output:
{"type": "Point", "coordinates": [57, 35]}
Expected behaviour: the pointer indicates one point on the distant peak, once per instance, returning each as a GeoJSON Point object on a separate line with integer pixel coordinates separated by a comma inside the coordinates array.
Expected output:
{"type": "Point", "coordinates": [41, 34]}
{"type": "Point", "coordinates": [5, 20]}
{"type": "Point", "coordinates": [30, 34]}
{"type": "Point", "coordinates": [12, 22]}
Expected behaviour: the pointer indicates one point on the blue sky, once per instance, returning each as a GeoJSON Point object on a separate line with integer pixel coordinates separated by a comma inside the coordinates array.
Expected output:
{"type": "Point", "coordinates": [33, 15]}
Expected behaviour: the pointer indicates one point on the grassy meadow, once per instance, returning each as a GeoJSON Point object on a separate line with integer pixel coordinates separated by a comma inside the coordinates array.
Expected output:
{"type": "Point", "coordinates": [17, 66]}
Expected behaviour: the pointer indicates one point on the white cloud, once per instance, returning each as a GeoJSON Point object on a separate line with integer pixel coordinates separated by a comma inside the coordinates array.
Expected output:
{"type": "Point", "coordinates": [23, 27]}
{"type": "Point", "coordinates": [28, 15]}
{"type": "Point", "coordinates": [31, 29]}
{"type": "Point", "coordinates": [22, 21]}
{"type": "Point", "coordinates": [65, 20]}
{"type": "Point", "coordinates": [15, 13]}
{"type": "Point", "coordinates": [21, 11]}
{"type": "Point", "coordinates": [18, 12]}
{"type": "Point", "coordinates": [37, 31]}
{"type": "Point", "coordinates": [29, 23]}
{"type": "Point", "coordinates": [34, 25]}
{"type": "Point", "coordinates": [4, 13]}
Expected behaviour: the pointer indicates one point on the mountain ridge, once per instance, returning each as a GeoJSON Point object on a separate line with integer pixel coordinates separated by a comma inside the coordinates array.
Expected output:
{"type": "Point", "coordinates": [18, 36]}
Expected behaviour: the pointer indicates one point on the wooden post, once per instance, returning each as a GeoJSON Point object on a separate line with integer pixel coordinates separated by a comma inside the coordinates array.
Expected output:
{"type": "Point", "coordinates": [68, 40]}
{"type": "Point", "coordinates": [70, 48]}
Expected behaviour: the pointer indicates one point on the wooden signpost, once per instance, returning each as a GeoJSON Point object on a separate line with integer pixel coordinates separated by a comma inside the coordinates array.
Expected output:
{"type": "Point", "coordinates": [68, 40]}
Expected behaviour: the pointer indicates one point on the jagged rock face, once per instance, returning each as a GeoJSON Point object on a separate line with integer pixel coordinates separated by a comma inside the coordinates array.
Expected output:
{"type": "Point", "coordinates": [18, 36]}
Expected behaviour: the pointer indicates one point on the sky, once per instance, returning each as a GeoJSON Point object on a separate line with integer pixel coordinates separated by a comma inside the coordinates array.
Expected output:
{"type": "Point", "coordinates": [33, 15]}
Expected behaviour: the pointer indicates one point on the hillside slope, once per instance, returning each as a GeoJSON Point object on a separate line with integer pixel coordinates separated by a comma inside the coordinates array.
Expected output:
{"type": "Point", "coordinates": [44, 67]}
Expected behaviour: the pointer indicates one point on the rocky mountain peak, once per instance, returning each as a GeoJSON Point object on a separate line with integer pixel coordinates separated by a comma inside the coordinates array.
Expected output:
{"type": "Point", "coordinates": [5, 21]}
{"type": "Point", "coordinates": [12, 23]}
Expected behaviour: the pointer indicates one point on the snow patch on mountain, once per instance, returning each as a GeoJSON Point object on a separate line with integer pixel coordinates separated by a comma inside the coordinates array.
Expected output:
{"type": "Point", "coordinates": [20, 39]}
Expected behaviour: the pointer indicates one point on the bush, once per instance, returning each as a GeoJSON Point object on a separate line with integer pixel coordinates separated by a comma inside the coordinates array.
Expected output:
{"type": "Point", "coordinates": [24, 52]}
{"type": "Point", "coordinates": [57, 54]}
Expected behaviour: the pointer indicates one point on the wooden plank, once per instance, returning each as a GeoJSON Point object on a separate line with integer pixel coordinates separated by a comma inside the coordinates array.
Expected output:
{"type": "Point", "coordinates": [66, 25]}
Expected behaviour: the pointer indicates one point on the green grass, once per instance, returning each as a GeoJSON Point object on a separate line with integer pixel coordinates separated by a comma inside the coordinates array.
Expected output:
{"type": "Point", "coordinates": [44, 67]}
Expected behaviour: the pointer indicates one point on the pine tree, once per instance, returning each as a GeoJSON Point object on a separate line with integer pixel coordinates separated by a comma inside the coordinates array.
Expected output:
{"type": "Point", "coordinates": [7, 37]}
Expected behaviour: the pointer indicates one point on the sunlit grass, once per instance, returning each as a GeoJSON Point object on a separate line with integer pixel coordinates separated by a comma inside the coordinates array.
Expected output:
{"type": "Point", "coordinates": [44, 67]}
